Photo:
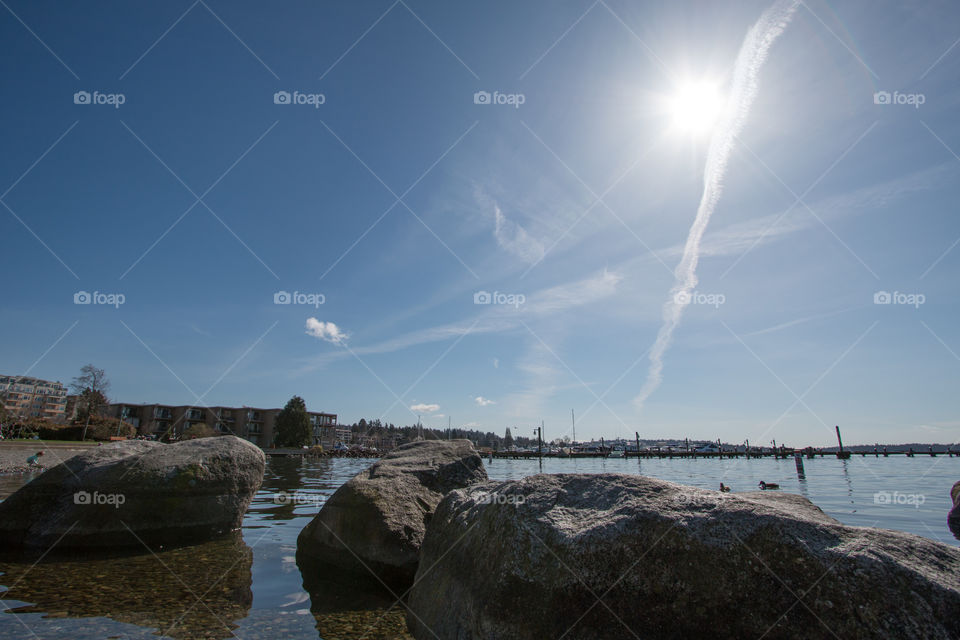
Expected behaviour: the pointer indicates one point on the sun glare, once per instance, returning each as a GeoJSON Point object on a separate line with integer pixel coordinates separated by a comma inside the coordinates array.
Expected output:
{"type": "Point", "coordinates": [695, 107]}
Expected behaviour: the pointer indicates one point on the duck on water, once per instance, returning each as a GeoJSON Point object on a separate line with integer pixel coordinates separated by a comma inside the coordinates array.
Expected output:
{"type": "Point", "coordinates": [768, 485]}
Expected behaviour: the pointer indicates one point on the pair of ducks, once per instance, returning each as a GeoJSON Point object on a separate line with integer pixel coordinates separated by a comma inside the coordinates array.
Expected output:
{"type": "Point", "coordinates": [763, 486]}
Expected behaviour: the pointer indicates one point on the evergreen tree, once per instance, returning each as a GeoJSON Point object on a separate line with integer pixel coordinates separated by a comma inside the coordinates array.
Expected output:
{"type": "Point", "coordinates": [293, 425]}
{"type": "Point", "coordinates": [507, 439]}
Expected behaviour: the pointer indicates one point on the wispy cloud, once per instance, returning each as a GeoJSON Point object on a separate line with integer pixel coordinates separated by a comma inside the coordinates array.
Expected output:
{"type": "Point", "coordinates": [513, 238]}
{"type": "Point", "coordinates": [753, 53]}
{"type": "Point", "coordinates": [797, 321]}
{"type": "Point", "coordinates": [493, 319]}
{"type": "Point", "coordinates": [425, 408]}
{"type": "Point", "coordinates": [738, 238]}
{"type": "Point", "coordinates": [483, 402]}
{"type": "Point", "coordinates": [326, 331]}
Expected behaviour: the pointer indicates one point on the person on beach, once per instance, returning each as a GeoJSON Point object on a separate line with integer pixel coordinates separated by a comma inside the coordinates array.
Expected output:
{"type": "Point", "coordinates": [34, 460]}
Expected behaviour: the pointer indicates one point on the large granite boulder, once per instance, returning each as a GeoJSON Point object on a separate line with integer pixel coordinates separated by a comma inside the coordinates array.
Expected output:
{"type": "Point", "coordinates": [374, 523]}
{"type": "Point", "coordinates": [132, 493]}
{"type": "Point", "coordinates": [953, 518]}
{"type": "Point", "coordinates": [618, 556]}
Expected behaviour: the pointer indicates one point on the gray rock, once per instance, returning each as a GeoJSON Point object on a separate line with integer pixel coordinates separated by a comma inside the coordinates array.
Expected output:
{"type": "Point", "coordinates": [953, 518]}
{"type": "Point", "coordinates": [618, 556]}
{"type": "Point", "coordinates": [375, 522]}
{"type": "Point", "coordinates": [134, 492]}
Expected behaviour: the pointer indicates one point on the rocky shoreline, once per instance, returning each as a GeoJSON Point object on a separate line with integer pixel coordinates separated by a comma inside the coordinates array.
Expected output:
{"type": "Point", "coordinates": [598, 556]}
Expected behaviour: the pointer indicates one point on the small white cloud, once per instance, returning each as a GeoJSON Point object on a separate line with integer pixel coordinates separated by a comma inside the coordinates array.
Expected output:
{"type": "Point", "coordinates": [483, 402]}
{"type": "Point", "coordinates": [326, 331]}
{"type": "Point", "coordinates": [496, 363]}
{"type": "Point", "coordinates": [470, 425]}
{"type": "Point", "coordinates": [425, 408]}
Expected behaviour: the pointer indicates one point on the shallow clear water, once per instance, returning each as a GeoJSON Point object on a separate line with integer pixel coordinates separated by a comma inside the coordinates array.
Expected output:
{"type": "Point", "coordinates": [249, 585]}
{"type": "Point", "coordinates": [853, 491]}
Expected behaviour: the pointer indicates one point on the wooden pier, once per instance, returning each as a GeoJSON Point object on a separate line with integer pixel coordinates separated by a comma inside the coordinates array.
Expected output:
{"type": "Point", "coordinates": [785, 454]}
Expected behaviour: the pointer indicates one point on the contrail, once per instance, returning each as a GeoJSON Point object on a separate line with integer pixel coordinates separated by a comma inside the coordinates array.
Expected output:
{"type": "Point", "coordinates": [753, 53]}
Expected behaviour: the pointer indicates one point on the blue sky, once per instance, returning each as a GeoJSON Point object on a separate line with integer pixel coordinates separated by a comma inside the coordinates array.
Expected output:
{"type": "Point", "coordinates": [398, 198]}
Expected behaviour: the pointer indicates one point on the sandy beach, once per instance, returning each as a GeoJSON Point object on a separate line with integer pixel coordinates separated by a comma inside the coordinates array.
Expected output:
{"type": "Point", "coordinates": [13, 455]}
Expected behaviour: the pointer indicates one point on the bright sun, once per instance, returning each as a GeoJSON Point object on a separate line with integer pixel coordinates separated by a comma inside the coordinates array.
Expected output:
{"type": "Point", "coordinates": [695, 107]}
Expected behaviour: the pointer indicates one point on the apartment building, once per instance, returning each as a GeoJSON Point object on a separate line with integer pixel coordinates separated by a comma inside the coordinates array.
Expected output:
{"type": "Point", "coordinates": [251, 423]}
{"type": "Point", "coordinates": [28, 397]}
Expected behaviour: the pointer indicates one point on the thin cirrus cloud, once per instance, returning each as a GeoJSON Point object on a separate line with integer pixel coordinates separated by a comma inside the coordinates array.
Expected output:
{"type": "Point", "coordinates": [733, 240]}
{"type": "Point", "coordinates": [483, 402]}
{"type": "Point", "coordinates": [496, 319]}
{"type": "Point", "coordinates": [425, 408]}
{"type": "Point", "coordinates": [327, 331]}
{"type": "Point", "coordinates": [513, 238]}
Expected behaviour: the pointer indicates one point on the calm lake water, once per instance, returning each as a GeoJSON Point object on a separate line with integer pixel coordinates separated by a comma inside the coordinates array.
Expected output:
{"type": "Point", "coordinates": [249, 585]}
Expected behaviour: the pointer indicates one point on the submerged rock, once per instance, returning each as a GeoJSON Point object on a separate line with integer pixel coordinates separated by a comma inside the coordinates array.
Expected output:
{"type": "Point", "coordinates": [618, 556]}
{"type": "Point", "coordinates": [374, 523]}
{"type": "Point", "coordinates": [186, 593]}
{"type": "Point", "coordinates": [133, 493]}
